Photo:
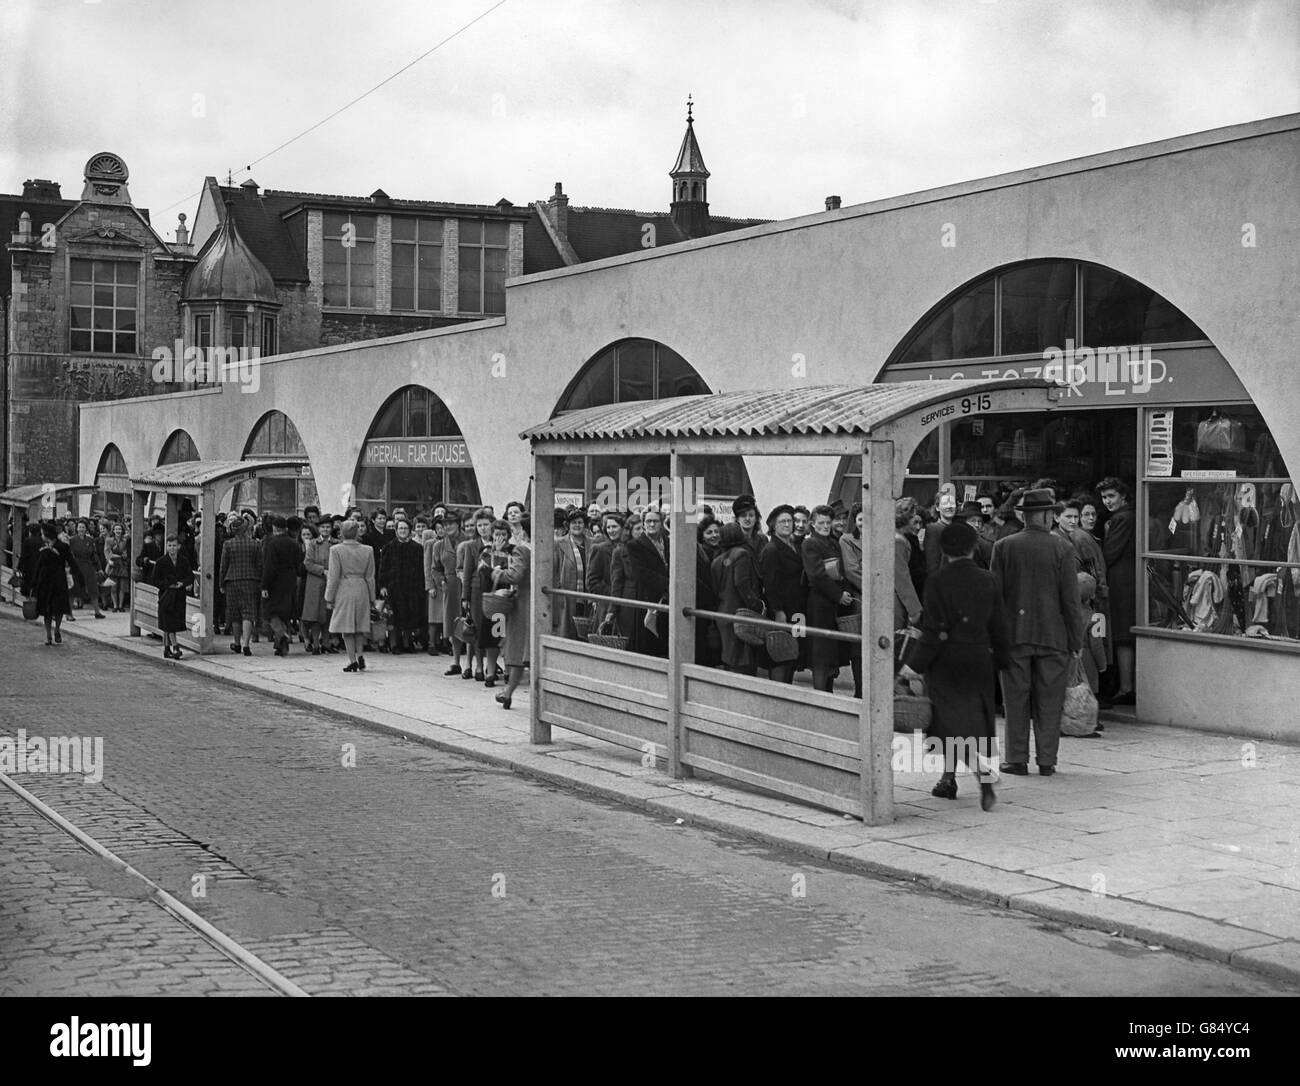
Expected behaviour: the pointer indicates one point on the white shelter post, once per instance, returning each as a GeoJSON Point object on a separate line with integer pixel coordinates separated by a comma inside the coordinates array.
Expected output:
{"type": "Point", "coordinates": [133, 550]}
{"type": "Point", "coordinates": [543, 565]}
{"type": "Point", "coordinates": [681, 594]}
{"type": "Point", "coordinates": [876, 723]}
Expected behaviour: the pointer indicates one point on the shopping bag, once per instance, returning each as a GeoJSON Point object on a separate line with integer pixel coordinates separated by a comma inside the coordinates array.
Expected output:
{"type": "Point", "coordinates": [1079, 716]}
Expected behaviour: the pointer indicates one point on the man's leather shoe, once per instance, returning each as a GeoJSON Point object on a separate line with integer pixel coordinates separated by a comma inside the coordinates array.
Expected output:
{"type": "Point", "coordinates": [1046, 770]}
{"type": "Point", "coordinates": [945, 789]}
{"type": "Point", "coordinates": [1016, 769]}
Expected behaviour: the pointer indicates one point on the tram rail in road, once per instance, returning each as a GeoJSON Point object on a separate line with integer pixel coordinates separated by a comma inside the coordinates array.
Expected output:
{"type": "Point", "coordinates": [240, 955]}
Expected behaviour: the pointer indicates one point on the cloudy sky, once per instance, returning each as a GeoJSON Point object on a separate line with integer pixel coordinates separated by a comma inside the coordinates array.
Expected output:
{"type": "Point", "coordinates": [795, 99]}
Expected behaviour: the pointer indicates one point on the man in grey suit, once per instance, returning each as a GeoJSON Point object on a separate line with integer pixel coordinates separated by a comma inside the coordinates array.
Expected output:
{"type": "Point", "coordinates": [1038, 582]}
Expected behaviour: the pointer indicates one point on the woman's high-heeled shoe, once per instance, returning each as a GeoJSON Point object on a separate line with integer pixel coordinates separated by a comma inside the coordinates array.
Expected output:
{"type": "Point", "coordinates": [361, 663]}
{"type": "Point", "coordinates": [478, 676]}
{"type": "Point", "coordinates": [505, 702]}
{"type": "Point", "coordinates": [351, 667]}
{"type": "Point", "coordinates": [467, 674]}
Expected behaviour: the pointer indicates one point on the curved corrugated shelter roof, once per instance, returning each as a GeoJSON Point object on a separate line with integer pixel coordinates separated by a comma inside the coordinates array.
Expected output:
{"type": "Point", "coordinates": [818, 409]}
{"type": "Point", "coordinates": [22, 495]}
{"type": "Point", "coordinates": [198, 473]}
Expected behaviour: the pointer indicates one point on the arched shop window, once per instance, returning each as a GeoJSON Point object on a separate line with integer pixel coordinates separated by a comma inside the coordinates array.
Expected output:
{"type": "Point", "coordinates": [1008, 322]}
{"type": "Point", "coordinates": [178, 449]}
{"type": "Point", "coordinates": [275, 437]}
{"type": "Point", "coordinates": [113, 484]}
{"type": "Point", "coordinates": [415, 457]}
{"type": "Point", "coordinates": [630, 370]}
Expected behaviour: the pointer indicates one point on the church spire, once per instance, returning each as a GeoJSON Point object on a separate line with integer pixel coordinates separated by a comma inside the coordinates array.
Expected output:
{"type": "Point", "coordinates": [690, 176]}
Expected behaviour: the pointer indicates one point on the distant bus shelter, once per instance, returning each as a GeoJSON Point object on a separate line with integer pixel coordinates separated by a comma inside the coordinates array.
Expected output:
{"type": "Point", "coordinates": [824, 749]}
{"type": "Point", "coordinates": [25, 505]}
{"type": "Point", "coordinates": [207, 485]}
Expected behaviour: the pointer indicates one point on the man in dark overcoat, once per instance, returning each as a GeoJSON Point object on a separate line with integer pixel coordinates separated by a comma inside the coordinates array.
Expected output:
{"type": "Point", "coordinates": [401, 580]}
{"type": "Point", "coordinates": [1038, 582]}
{"type": "Point", "coordinates": [281, 557]}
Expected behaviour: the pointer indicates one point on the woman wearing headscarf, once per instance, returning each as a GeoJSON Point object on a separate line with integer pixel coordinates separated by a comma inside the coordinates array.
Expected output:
{"type": "Point", "coordinates": [89, 562]}
{"type": "Point", "coordinates": [350, 591]}
{"type": "Point", "coordinates": [316, 564]}
{"type": "Point", "coordinates": [519, 623]}
{"type": "Point", "coordinates": [50, 568]}
{"type": "Point", "coordinates": [401, 579]}
{"type": "Point", "coordinates": [828, 595]}
{"type": "Point", "coordinates": [780, 568]}
{"type": "Point", "coordinates": [708, 638]}
{"type": "Point", "coordinates": [172, 576]}
{"type": "Point", "coordinates": [736, 582]}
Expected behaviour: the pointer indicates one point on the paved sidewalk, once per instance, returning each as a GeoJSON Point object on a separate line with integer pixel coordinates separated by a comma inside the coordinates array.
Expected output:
{"type": "Point", "coordinates": [1179, 838]}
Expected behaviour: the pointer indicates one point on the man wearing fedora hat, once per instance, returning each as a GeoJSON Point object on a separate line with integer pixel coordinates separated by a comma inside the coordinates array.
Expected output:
{"type": "Point", "coordinates": [1037, 576]}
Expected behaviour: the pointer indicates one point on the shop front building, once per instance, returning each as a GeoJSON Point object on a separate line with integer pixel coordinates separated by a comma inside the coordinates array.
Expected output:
{"type": "Point", "coordinates": [1154, 285]}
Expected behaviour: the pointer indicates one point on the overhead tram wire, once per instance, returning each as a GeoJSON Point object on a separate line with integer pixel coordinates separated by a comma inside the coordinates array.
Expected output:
{"type": "Point", "coordinates": [346, 106]}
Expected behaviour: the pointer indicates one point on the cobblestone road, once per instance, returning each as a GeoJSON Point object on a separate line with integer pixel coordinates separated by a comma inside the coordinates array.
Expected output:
{"type": "Point", "coordinates": [418, 872]}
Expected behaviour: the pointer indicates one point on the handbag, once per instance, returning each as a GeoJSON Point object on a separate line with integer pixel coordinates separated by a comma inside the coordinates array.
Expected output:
{"type": "Point", "coordinates": [29, 608]}
{"type": "Point", "coordinates": [463, 629]}
{"type": "Point", "coordinates": [501, 602]}
{"type": "Point", "coordinates": [751, 635]}
{"type": "Point", "coordinates": [1079, 714]}
{"type": "Point", "coordinates": [781, 646]}
{"type": "Point", "coordinates": [108, 582]}
{"type": "Point", "coordinates": [907, 648]}
{"type": "Point", "coordinates": [1220, 434]}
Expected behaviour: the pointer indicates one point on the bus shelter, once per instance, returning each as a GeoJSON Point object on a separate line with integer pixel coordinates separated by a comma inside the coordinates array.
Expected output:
{"type": "Point", "coordinates": [208, 486]}
{"type": "Point", "coordinates": [25, 505]}
{"type": "Point", "coordinates": [824, 749]}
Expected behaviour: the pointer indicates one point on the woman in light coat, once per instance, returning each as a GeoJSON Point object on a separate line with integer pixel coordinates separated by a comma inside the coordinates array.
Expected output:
{"type": "Point", "coordinates": [350, 591]}
{"type": "Point", "coordinates": [519, 623]}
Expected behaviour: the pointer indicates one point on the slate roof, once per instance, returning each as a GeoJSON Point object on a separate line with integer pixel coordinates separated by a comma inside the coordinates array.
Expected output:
{"type": "Point", "coordinates": [599, 232]}
{"type": "Point", "coordinates": [259, 219]}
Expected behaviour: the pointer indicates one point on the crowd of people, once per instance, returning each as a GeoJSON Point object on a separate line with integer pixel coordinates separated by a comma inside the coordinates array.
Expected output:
{"type": "Point", "coordinates": [454, 584]}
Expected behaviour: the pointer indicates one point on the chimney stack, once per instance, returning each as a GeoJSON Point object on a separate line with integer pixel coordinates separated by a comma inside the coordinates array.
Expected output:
{"type": "Point", "coordinates": [558, 206]}
{"type": "Point", "coordinates": [182, 232]}
{"type": "Point", "coordinates": [41, 189]}
{"type": "Point", "coordinates": [832, 203]}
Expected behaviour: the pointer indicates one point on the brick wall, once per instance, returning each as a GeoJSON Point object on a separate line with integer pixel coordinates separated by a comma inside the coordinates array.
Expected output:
{"type": "Point", "coordinates": [47, 379]}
